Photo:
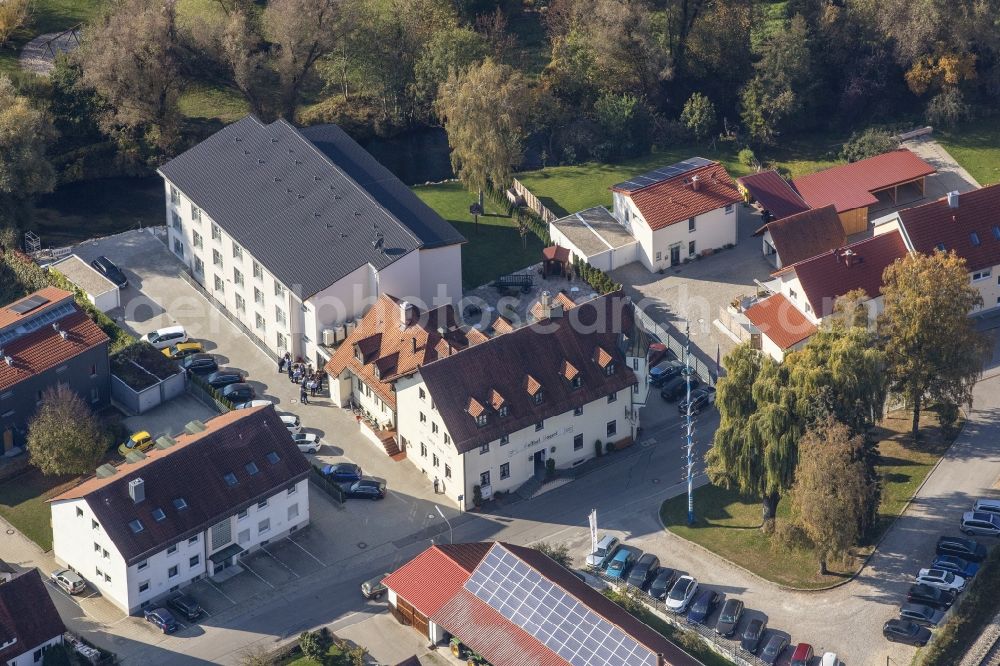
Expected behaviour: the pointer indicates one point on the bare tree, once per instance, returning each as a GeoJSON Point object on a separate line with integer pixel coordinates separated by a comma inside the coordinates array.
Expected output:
{"type": "Point", "coordinates": [302, 31]}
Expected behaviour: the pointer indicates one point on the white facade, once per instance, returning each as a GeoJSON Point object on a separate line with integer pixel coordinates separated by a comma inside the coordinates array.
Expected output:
{"type": "Point", "coordinates": [276, 314]}
{"type": "Point", "coordinates": [675, 243]}
{"type": "Point", "coordinates": [80, 542]}
{"type": "Point", "coordinates": [568, 438]}
{"type": "Point", "coordinates": [34, 655]}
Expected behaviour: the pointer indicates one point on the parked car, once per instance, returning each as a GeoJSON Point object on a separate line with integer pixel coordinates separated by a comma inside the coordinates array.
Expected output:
{"type": "Point", "coordinates": [307, 442]}
{"type": "Point", "coordinates": [200, 364]}
{"type": "Point", "coordinates": [238, 392]}
{"type": "Point", "coordinates": [644, 571]}
{"type": "Point", "coordinates": [69, 581]}
{"type": "Point", "coordinates": [752, 633]}
{"type": "Point", "coordinates": [904, 631]}
{"type": "Point", "coordinates": [967, 549]}
{"type": "Point", "coordinates": [139, 441]}
{"type": "Point", "coordinates": [372, 489]}
{"type": "Point", "coordinates": [224, 377]}
{"type": "Point", "coordinates": [955, 565]}
{"type": "Point", "coordinates": [829, 659]}
{"type": "Point", "coordinates": [773, 648]}
{"type": "Point", "coordinates": [292, 422]}
{"type": "Point", "coordinates": [186, 606]}
{"type": "Point", "coordinates": [729, 617]}
{"type": "Point", "coordinates": [923, 615]}
{"type": "Point", "coordinates": [703, 605]}
{"type": "Point", "coordinates": [162, 338]}
{"type": "Point", "coordinates": [373, 589]}
{"type": "Point", "coordinates": [253, 403]}
{"type": "Point", "coordinates": [162, 619]}
{"type": "Point", "coordinates": [620, 564]}
{"type": "Point", "coordinates": [342, 472]}
{"type": "Point", "coordinates": [108, 269]}
{"type": "Point", "coordinates": [661, 583]}
{"type": "Point", "coordinates": [676, 388]}
{"type": "Point", "coordinates": [681, 594]}
{"type": "Point", "coordinates": [659, 352]}
{"type": "Point", "coordinates": [182, 349]}
{"type": "Point", "coordinates": [930, 596]}
{"type": "Point", "coordinates": [605, 551]}
{"type": "Point", "coordinates": [802, 655]}
{"type": "Point", "coordinates": [665, 370]}
{"type": "Point", "coordinates": [701, 398]}
{"type": "Point", "coordinates": [987, 524]}
{"type": "Point", "coordinates": [986, 506]}
{"type": "Point", "coordinates": [942, 579]}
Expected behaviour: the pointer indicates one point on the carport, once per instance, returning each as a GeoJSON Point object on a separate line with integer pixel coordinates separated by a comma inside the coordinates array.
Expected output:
{"type": "Point", "coordinates": [225, 558]}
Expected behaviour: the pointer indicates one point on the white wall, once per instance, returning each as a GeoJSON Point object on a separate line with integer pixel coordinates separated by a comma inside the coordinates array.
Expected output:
{"type": "Point", "coordinates": [73, 539]}
{"type": "Point", "coordinates": [27, 657]}
{"type": "Point", "coordinates": [988, 284]}
{"type": "Point", "coordinates": [401, 278]}
{"type": "Point", "coordinates": [370, 401]}
{"type": "Point", "coordinates": [348, 298]}
{"type": "Point", "coordinates": [790, 286]}
{"type": "Point", "coordinates": [441, 275]}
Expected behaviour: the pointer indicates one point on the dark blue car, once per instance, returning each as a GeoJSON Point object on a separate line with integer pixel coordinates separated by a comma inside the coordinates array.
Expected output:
{"type": "Point", "coordinates": [956, 565]}
{"type": "Point", "coordinates": [162, 619]}
{"type": "Point", "coordinates": [342, 472]}
{"type": "Point", "coordinates": [702, 606]}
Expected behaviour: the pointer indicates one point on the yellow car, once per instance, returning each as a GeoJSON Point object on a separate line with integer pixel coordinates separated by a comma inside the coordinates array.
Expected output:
{"type": "Point", "coordinates": [140, 441]}
{"type": "Point", "coordinates": [182, 349]}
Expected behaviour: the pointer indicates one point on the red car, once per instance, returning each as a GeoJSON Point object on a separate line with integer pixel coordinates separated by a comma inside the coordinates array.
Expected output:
{"type": "Point", "coordinates": [802, 655]}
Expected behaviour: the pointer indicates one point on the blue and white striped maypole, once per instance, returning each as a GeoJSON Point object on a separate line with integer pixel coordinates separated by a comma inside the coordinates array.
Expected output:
{"type": "Point", "coordinates": [689, 423]}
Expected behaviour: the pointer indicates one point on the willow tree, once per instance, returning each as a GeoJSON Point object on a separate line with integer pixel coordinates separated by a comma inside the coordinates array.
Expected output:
{"type": "Point", "coordinates": [934, 351]}
{"type": "Point", "coordinates": [485, 110]}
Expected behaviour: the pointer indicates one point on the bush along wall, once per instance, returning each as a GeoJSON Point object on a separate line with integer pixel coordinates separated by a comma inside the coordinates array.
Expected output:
{"type": "Point", "coordinates": [595, 277]}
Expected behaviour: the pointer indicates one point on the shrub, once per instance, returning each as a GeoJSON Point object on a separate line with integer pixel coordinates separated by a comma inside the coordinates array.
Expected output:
{"type": "Point", "coordinates": [698, 116]}
{"type": "Point", "coordinates": [550, 469]}
{"type": "Point", "coordinates": [315, 644]}
{"type": "Point", "coordinates": [747, 157]}
{"type": "Point", "coordinates": [873, 141]}
{"type": "Point", "coordinates": [477, 495]}
{"type": "Point", "coordinates": [599, 448]}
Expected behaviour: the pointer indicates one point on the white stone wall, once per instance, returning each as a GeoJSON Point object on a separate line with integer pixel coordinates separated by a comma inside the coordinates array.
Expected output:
{"type": "Point", "coordinates": [27, 658]}
{"type": "Point", "coordinates": [441, 275]}
{"type": "Point", "coordinates": [73, 539]}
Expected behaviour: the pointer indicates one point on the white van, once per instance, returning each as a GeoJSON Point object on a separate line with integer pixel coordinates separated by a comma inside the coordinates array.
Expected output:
{"type": "Point", "coordinates": [162, 338]}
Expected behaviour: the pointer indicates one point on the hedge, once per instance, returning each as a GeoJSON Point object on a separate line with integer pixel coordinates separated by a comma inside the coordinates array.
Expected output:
{"type": "Point", "coordinates": [332, 489]}
{"type": "Point", "coordinates": [210, 390]}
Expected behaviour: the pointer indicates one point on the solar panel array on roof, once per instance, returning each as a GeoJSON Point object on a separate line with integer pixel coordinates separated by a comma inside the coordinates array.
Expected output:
{"type": "Point", "coordinates": [662, 174]}
{"type": "Point", "coordinates": [29, 304]}
{"type": "Point", "coordinates": [552, 616]}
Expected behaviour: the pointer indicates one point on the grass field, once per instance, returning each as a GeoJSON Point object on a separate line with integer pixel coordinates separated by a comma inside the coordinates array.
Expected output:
{"type": "Point", "coordinates": [729, 525]}
{"type": "Point", "coordinates": [213, 102]}
{"type": "Point", "coordinates": [47, 16]}
{"type": "Point", "coordinates": [23, 503]}
{"type": "Point", "coordinates": [976, 146]}
{"type": "Point", "coordinates": [494, 248]}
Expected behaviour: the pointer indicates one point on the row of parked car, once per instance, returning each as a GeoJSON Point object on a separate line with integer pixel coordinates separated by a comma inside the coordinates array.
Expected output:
{"type": "Point", "coordinates": [682, 594]}
{"type": "Point", "coordinates": [671, 376]}
{"type": "Point", "coordinates": [955, 563]}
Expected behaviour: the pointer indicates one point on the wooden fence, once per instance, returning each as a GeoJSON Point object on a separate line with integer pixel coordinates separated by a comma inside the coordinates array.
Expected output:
{"type": "Point", "coordinates": [532, 201]}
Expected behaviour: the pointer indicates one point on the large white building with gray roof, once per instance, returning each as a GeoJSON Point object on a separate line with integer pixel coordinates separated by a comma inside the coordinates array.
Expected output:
{"type": "Point", "coordinates": [296, 232]}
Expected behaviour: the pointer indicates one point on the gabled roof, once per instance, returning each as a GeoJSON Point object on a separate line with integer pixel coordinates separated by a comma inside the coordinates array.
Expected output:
{"type": "Point", "coordinates": [780, 320]}
{"type": "Point", "coordinates": [934, 224]}
{"type": "Point", "coordinates": [388, 344]}
{"type": "Point", "coordinates": [308, 204]}
{"type": "Point", "coordinates": [516, 364]}
{"type": "Point", "coordinates": [773, 193]}
{"type": "Point", "coordinates": [560, 302]}
{"type": "Point", "coordinates": [675, 199]}
{"type": "Point", "coordinates": [193, 470]}
{"type": "Point", "coordinates": [828, 276]}
{"type": "Point", "coordinates": [46, 297]}
{"type": "Point", "coordinates": [431, 578]}
{"type": "Point", "coordinates": [27, 615]}
{"type": "Point", "coordinates": [45, 347]}
{"type": "Point", "coordinates": [806, 234]}
{"type": "Point", "coordinates": [850, 186]}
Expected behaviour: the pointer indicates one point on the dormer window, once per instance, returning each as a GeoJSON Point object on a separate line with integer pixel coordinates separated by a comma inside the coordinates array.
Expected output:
{"type": "Point", "coordinates": [534, 389]}
{"type": "Point", "coordinates": [538, 397]}
{"type": "Point", "coordinates": [358, 355]}
{"type": "Point", "coordinates": [502, 411]}
{"type": "Point", "coordinates": [481, 420]}
{"type": "Point", "coordinates": [576, 382]}
{"type": "Point", "coordinates": [610, 369]}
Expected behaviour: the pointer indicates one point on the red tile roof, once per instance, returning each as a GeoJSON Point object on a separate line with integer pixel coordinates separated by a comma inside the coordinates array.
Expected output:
{"type": "Point", "coordinates": [773, 193]}
{"type": "Point", "coordinates": [193, 469]}
{"type": "Point", "coordinates": [850, 186]}
{"type": "Point", "coordinates": [936, 224]}
{"type": "Point", "coordinates": [828, 276]}
{"type": "Point", "coordinates": [560, 303]}
{"type": "Point", "coordinates": [806, 234]}
{"type": "Point", "coordinates": [670, 201]}
{"type": "Point", "coordinates": [27, 614]}
{"type": "Point", "coordinates": [556, 252]}
{"type": "Point", "coordinates": [432, 578]}
{"type": "Point", "coordinates": [780, 320]}
{"type": "Point", "coordinates": [54, 295]}
{"type": "Point", "coordinates": [45, 348]}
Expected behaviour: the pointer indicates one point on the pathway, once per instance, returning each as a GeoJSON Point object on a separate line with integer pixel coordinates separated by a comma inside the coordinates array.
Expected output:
{"type": "Point", "coordinates": [38, 55]}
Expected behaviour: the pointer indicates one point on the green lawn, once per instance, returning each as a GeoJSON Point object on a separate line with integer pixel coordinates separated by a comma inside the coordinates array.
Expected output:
{"type": "Point", "coordinates": [976, 146]}
{"type": "Point", "coordinates": [494, 247]}
{"type": "Point", "coordinates": [213, 102]}
{"type": "Point", "coordinates": [47, 16]}
{"type": "Point", "coordinates": [23, 503]}
{"type": "Point", "coordinates": [728, 525]}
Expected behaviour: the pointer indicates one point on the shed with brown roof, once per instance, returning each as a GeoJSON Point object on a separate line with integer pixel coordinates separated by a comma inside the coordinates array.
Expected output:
{"type": "Point", "coordinates": [774, 195]}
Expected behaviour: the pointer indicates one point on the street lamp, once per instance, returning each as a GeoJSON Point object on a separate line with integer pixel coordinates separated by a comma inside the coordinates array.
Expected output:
{"type": "Point", "coordinates": [451, 533]}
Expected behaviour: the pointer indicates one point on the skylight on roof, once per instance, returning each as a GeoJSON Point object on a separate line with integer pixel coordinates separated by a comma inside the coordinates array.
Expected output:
{"type": "Point", "coordinates": [180, 504]}
{"type": "Point", "coordinates": [939, 247]}
{"type": "Point", "coordinates": [136, 526]}
{"type": "Point", "coordinates": [230, 479]}
{"type": "Point", "coordinates": [251, 468]}
{"type": "Point", "coordinates": [158, 514]}
{"type": "Point", "coordinates": [272, 457]}
{"type": "Point", "coordinates": [974, 237]}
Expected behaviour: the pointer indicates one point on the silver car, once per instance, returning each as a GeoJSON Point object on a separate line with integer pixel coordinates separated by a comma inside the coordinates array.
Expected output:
{"type": "Point", "coordinates": [605, 550]}
{"type": "Point", "coordinates": [69, 581]}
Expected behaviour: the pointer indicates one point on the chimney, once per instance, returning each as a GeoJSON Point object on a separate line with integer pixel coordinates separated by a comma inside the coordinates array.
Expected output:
{"type": "Point", "coordinates": [848, 256]}
{"type": "Point", "coordinates": [406, 310]}
{"type": "Point", "coordinates": [413, 345]}
{"type": "Point", "coordinates": [63, 334]}
{"type": "Point", "coordinates": [953, 199]}
{"type": "Point", "coordinates": [9, 360]}
{"type": "Point", "coordinates": [136, 490]}
{"type": "Point", "coordinates": [545, 301]}
{"type": "Point", "coordinates": [695, 183]}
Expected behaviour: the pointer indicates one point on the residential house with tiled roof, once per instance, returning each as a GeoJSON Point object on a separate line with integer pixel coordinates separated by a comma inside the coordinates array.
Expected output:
{"type": "Point", "coordinates": [294, 232]}
{"type": "Point", "coordinates": [781, 325]}
{"type": "Point", "coordinates": [679, 211]}
{"type": "Point", "coordinates": [968, 224]}
{"type": "Point", "coordinates": [514, 605]}
{"type": "Point", "coordinates": [47, 340]}
{"type": "Point", "coordinates": [29, 622]}
{"type": "Point", "coordinates": [392, 340]}
{"type": "Point", "coordinates": [491, 415]}
{"type": "Point", "coordinates": [802, 235]}
{"type": "Point", "coordinates": [189, 508]}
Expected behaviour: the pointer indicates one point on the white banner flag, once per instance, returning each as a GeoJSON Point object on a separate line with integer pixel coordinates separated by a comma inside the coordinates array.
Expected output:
{"type": "Point", "coordinates": [593, 530]}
